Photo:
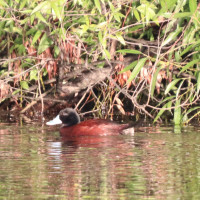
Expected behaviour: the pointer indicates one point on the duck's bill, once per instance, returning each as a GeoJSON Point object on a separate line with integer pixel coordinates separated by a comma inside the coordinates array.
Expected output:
{"type": "Point", "coordinates": [55, 121]}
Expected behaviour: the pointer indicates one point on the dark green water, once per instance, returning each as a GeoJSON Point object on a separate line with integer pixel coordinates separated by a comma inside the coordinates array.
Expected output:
{"type": "Point", "coordinates": [155, 163]}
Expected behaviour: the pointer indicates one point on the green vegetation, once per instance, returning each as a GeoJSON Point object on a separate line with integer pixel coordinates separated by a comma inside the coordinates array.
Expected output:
{"type": "Point", "coordinates": [163, 79]}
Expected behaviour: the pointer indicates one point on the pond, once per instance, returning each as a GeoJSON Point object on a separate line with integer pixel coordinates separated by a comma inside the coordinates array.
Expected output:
{"type": "Point", "coordinates": [155, 163]}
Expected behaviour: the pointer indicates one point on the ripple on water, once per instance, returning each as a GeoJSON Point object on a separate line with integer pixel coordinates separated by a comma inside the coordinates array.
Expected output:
{"type": "Point", "coordinates": [156, 163]}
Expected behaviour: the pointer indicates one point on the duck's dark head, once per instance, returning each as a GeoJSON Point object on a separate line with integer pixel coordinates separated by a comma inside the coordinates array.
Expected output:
{"type": "Point", "coordinates": [67, 117]}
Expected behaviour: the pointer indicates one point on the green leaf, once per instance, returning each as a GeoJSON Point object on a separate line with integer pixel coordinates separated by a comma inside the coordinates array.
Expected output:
{"type": "Point", "coordinates": [185, 117]}
{"type": "Point", "coordinates": [87, 20]}
{"type": "Point", "coordinates": [131, 66]}
{"type": "Point", "coordinates": [177, 56]}
{"type": "Point", "coordinates": [100, 37]}
{"type": "Point", "coordinates": [179, 88]}
{"type": "Point", "coordinates": [120, 38]}
{"type": "Point", "coordinates": [56, 10]}
{"type": "Point", "coordinates": [171, 36]}
{"type": "Point", "coordinates": [147, 10]}
{"type": "Point", "coordinates": [26, 11]}
{"type": "Point", "coordinates": [135, 28]}
{"type": "Point", "coordinates": [170, 3]}
{"type": "Point", "coordinates": [160, 113]}
{"type": "Point", "coordinates": [182, 15]}
{"type": "Point", "coordinates": [3, 4]}
{"type": "Point", "coordinates": [24, 85]}
{"type": "Point", "coordinates": [150, 14]}
{"type": "Point", "coordinates": [190, 64]}
{"type": "Point", "coordinates": [137, 69]}
{"type": "Point", "coordinates": [171, 85]}
{"type": "Point", "coordinates": [22, 4]}
{"type": "Point", "coordinates": [137, 15]}
{"type": "Point", "coordinates": [177, 112]}
{"type": "Point", "coordinates": [32, 19]}
{"type": "Point", "coordinates": [111, 6]}
{"type": "Point", "coordinates": [187, 49]}
{"type": "Point", "coordinates": [39, 7]}
{"type": "Point", "coordinates": [107, 54]}
{"type": "Point", "coordinates": [153, 85]}
{"type": "Point", "coordinates": [98, 5]}
{"type": "Point", "coordinates": [131, 51]}
{"type": "Point", "coordinates": [169, 105]}
{"type": "Point", "coordinates": [164, 7]}
{"type": "Point", "coordinates": [198, 82]}
{"type": "Point", "coordinates": [193, 5]}
{"type": "Point", "coordinates": [36, 36]}
{"type": "Point", "coordinates": [17, 30]}
{"type": "Point", "coordinates": [45, 42]}
{"type": "Point", "coordinates": [118, 16]}
{"type": "Point", "coordinates": [45, 72]}
{"type": "Point", "coordinates": [21, 49]}
{"type": "Point", "coordinates": [180, 5]}
{"type": "Point", "coordinates": [102, 40]}
{"type": "Point", "coordinates": [30, 31]}
{"type": "Point", "coordinates": [166, 99]}
{"type": "Point", "coordinates": [101, 65]}
{"type": "Point", "coordinates": [34, 74]}
{"type": "Point", "coordinates": [24, 21]}
{"type": "Point", "coordinates": [16, 91]}
{"type": "Point", "coordinates": [40, 17]}
{"type": "Point", "coordinates": [101, 25]}
{"type": "Point", "coordinates": [56, 51]}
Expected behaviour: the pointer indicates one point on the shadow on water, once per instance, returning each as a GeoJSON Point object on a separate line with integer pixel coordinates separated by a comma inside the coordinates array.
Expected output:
{"type": "Point", "coordinates": [155, 163]}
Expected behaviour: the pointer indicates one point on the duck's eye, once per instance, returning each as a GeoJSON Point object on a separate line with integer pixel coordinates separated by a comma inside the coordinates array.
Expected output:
{"type": "Point", "coordinates": [65, 116]}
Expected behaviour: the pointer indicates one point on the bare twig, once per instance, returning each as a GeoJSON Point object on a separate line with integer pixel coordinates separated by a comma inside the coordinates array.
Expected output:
{"type": "Point", "coordinates": [36, 100]}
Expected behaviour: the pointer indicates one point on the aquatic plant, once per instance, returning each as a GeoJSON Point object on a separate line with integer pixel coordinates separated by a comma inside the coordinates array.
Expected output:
{"type": "Point", "coordinates": [151, 46]}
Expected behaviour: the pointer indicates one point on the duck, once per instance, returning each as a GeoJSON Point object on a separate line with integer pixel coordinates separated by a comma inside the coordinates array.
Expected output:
{"type": "Point", "coordinates": [73, 127]}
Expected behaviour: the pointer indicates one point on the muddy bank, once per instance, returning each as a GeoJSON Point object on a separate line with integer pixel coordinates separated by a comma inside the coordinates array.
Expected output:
{"type": "Point", "coordinates": [11, 111]}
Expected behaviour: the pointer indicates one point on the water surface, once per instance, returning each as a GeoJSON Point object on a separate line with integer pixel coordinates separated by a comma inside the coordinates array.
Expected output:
{"type": "Point", "coordinates": [155, 163]}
